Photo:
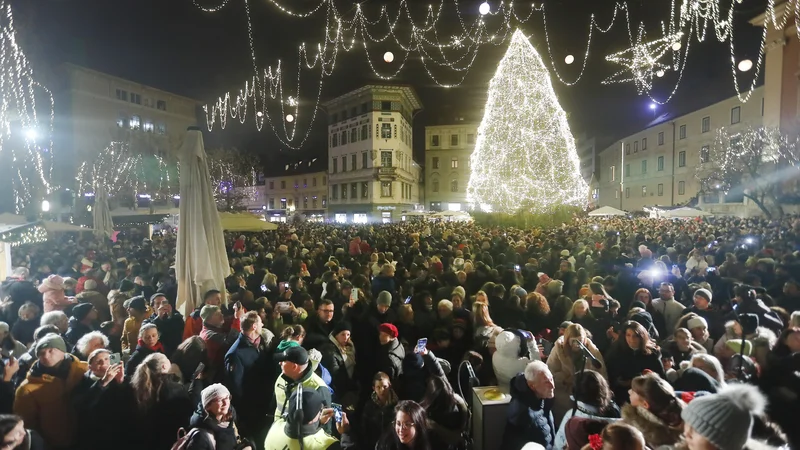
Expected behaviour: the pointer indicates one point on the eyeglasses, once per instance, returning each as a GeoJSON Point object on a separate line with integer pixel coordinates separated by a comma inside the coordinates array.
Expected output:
{"type": "Point", "coordinates": [404, 425]}
{"type": "Point", "coordinates": [326, 310]}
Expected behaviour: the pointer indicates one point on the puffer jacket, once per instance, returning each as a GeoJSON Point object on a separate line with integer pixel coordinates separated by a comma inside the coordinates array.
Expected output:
{"type": "Point", "coordinates": [224, 434]}
{"type": "Point", "coordinates": [529, 418]}
{"type": "Point", "coordinates": [656, 432]}
{"type": "Point", "coordinates": [507, 362]}
{"type": "Point", "coordinates": [390, 359]}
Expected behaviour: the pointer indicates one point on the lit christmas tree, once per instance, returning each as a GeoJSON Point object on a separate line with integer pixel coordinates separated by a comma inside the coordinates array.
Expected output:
{"type": "Point", "coordinates": [524, 158]}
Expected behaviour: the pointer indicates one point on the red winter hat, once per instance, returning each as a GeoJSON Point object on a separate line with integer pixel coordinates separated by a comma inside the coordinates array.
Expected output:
{"type": "Point", "coordinates": [389, 329]}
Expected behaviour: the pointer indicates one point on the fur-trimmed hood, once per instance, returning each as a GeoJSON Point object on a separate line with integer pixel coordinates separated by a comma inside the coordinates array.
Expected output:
{"type": "Point", "coordinates": [656, 432]}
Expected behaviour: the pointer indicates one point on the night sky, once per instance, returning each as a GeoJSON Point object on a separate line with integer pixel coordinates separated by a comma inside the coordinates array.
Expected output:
{"type": "Point", "coordinates": [172, 45]}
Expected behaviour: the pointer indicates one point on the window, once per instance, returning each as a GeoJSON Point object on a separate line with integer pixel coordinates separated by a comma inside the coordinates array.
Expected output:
{"type": "Point", "coordinates": [161, 129]}
{"type": "Point", "coordinates": [386, 106]}
{"type": "Point", "coordinates": [136, 122]}
{"type": "Point", "coordinates": [136, 98]}
{"type": "Point", "coordinates": [613, 171]}
{"type": "Point", "coordinates": [660, 138]}
{"type": "Point", "coordinates": [644, 144]}
{"type": "Point", "coordinates": [353, 162]}
{"type": "Point", "coordinates": [704, 154]}
{"type": "Point", "coordinates": [364, 160]}
{"type": "Point", "coordinates": [314, 202]}
{"type": "Point", "coordinates": [335, 140]}
{"type": "Point", "coordinates": [627, 170]}
{"type": "Point", "coordinates": [296, 185]}
{"type": "Point", "coordinates": [354, 190]}
{"type": "Point", "coordinates": [283, 184]}
{"type": "Point", "coordinates": [470, 139]}
{"type": "Point", "coordinates": [305, 182]}
{"type": "Point", "coordinates": [434, 140]}
{"type": "Point", "coordinates": [386, 188]}
{"type": "Point", "coordinates": [353, 111]}
{"type": "Point", "coordinates": [627, 149]}
{"type": "Point", "coordinates": [335, 165]}
{"type": "Point", "coordinates": [660, 163]}
{"type": "Point", "coordinates": [627, 192]}
{"type": "Point", "coordinates": [122, 95]}
{"type": "Point", "coordinates": [364, 108]}
{"type": "Point", "coordinates": [122, 122]}
{"type": "Point", "coordinates": [314, 182]}
{"type": "Point", "coordinates": [386, 158]}
{"type": "Point", "coordinates": [435, 186]}
{"type": "Point", "coordinates": [682, 132]}
{"type": "Point", "coordinates": [324, 180]}
{"type": "Point", "coordinates": [324, 202]}
{"type": "Point", "coordinates": [344, 114]}
{"type": "Point", "coordinates": [364, 132]}
{"type": "Point", "coordinates": [344, 163]}
{"type": "Point", "coordinates": [705, 125]}
{"type": "Point", "coordinates": [334, 117]}
{"type": "Point", "coordinates": [344, 137]}
{"type": "Point", "coordinates": [635, 146]}
{"type": "Point", "coordinates": [660, 189]}
{"type": "Point", "coordinates": [334, 191]}
{"type": "Point", "coordinates": [644, 191]}
{"type": "Point", "coordinates": [148, 127]}
{"type": "Point", "coordinates": [681, 187]}
{"type": "Point", "coordinates": [305, 202]}
{"type": "Point", "coordinates": [682, 159]}
{"type": "Point", "coordinates": [736, 114]}
{"type": "Point", "coordinates": [354, 135]}
{"type": "Point", "coordinates": [283, 203]}
{"type": "Point", "coordinates": [344, 191]}
{"type": "Point", "coordinates": [364, 189]}
{"type": "Point", "coordinates": [386, 131]}
{"type": "Point", "coordinates": [453, 185]}
{"type": "Point", "coordinates": [454, 163]}
{"type": "Point", "coordinates": [453, 140]}
{"type": "Point", "coordinates": [272, 203]}
{"type": "Point", "coordinates": [272, 185]}
{"type": "Point", "coordinates": [162, 105]}
{"type": "Point", "coordinates": [762, 106]}
{"type": "Point", "coordinates": [435, 162]}
{"type": "Point", "coordinates": [644, 166]}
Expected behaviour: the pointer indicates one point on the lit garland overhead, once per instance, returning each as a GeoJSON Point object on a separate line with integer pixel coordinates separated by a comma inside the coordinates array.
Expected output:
{"type": "Point", "coordinates": [524, 157]}
{"type": "Point", "coordinates": [33, 233]}
{"type": "Point", "coordinates": [26, 127]}
{"type": "Point", "coordinates": [641, 62]}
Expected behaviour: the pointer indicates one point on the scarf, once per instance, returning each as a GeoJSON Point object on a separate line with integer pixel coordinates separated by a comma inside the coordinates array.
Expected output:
{"type": "Point", "coordinates": [159, 347]}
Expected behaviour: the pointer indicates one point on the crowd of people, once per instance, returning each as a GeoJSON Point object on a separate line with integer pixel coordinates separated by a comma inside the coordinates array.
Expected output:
{"type": "Point", "coordinates": [623, 333]}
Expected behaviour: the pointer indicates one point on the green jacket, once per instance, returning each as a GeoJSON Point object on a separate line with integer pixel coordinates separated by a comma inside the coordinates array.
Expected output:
{"type": "Point", "coordinates": [284, 387]}
{"type": "Point", "coordinates": [277, 439]}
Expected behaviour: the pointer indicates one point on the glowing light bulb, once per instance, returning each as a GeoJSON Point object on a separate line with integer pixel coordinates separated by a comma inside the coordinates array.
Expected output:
{"type": "Point", "coordinates": [260, 114]}
{"type": "Point", "coordinates": [745, 65]}
{"type": "Point", "coordinates": [31, 134]}
{"type": "Point", "coordinates": [289, 118]}
{"type": "Point", "coordinates": [484, 8]}
{"type": "Point", "coordinates": [569, 59]}
{"type": "Point", "coordinates": [676, 46]}
{"type": "Point", "coordinates": [653, 106]}
{"type": "Point", "coordinates": [660, 73]}
{"type": "Point", "coordinates": [388, 57]}
{"type": "Point", "coordinates": [45, 206]}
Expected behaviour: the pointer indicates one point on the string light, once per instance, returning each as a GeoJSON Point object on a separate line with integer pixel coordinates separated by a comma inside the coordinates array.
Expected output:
{"type": "Point", "coordinates": [118, 169]}
{"type": "Point", "coordinates": [745, 65]}
{"type": "Point", "coordinates": [569, 59]}
{"type": "Point", "coordinates": [484, 8]}
{"type": "Point", "coordinates": [26, 144]}
{"type": "Point", "coordinates": [641, 61]}
{"type": "Point", "coordinates": [289, 118]}
{"type": "Point", "coordinates": [525, 157]}
{"type": "Point", "coordinates": [25, 234]}
{"type": "Point", "coordinates": [388, 57]}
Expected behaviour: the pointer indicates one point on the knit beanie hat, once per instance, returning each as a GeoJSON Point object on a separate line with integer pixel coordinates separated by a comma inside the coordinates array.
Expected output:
{"type": "Point", "coordinates": [726, 418]}
{"type": "Point", "coordinates": [705, 293]}
{"type": "Point", "coordinates": [340, 326]}
{"type": "Point", "coordinates": [214, 392]}
{"type": "Point", "coordinates": [459, 291]}
{"type": "Point", "coordinates": [51, 341]}
{"type": "Point", "coordinates": [208, 311]}
{"type": "Point", "coordinates": [384, 299]}
{"type": "Point", "coordinates": [696, 322]}
{"type": "Point", "coordinates": [81, 310]}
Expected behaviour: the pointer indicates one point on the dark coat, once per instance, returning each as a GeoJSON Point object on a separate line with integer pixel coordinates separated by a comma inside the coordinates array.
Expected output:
{"type": "Point", "coordinates": [76, 331]}
{"type": "Point", "coordinates": [383, 283]}
{"type": "Point", "coordinates": [137, 357]}
{"type": "Point", "coordinates": [225, 437]}
{"type": "Point", "coordinates": [316, 332]}
{"type": "Point", "coordinates": [530, 418]}
{"type": "Point", "coordinates": [374, 421]}
{"type": "Point", "coordinates": [390, 359]}
{"type": "Point", "coordinates": [250, 375]}
{"type": "Point", "coordinates": [170, 330]}
{"type": "Point", "coordinates": [333, 360]}
{"type": "Point", "coordinates": [23, 330]}
{"type": "Point", "coordinates": [625, 364]}
{"type": "Point", "coordinates": [163, 419]}
{"type": "Point", "coordinates": [102, 416]}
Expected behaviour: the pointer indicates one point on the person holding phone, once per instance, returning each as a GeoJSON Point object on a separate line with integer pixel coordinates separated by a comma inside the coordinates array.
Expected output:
{"type": "Point", "coordinates": [99, 399]}
{"type": "Point", "coordinates": [307, 416]}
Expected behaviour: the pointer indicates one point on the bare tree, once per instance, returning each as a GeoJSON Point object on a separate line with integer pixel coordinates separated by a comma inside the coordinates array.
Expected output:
{"type": "Point", "coordinates": [233, 176]}
{"type": "Point", "coordinates": [753, 163]}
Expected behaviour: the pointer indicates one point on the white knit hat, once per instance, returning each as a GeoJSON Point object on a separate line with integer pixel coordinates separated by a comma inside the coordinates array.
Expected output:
{"type": "Point", "coordinates": [214, 392]}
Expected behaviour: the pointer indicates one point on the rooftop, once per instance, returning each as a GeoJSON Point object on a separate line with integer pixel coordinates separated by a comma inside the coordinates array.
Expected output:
{"type": "Point", "coordinates": [406, 90]}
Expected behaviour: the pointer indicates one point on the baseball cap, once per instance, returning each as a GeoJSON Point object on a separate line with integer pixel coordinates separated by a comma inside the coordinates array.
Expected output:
{"type": "Point", "coordinates": [297, 355]}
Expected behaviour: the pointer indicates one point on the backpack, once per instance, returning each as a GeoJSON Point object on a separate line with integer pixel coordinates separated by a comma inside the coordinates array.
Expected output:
{"type": "Point", "coordinates": [184, 438]}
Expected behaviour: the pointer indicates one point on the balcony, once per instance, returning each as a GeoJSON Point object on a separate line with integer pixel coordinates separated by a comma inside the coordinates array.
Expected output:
{"type": "Point", "coordinates": [386, 173]}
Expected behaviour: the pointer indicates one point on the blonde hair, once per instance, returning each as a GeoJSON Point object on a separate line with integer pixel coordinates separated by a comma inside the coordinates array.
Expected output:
{"type": "Point", "coordinates": [687, 334]}
{"type": "Point", "coordinates": [481, 312]}
{"type": "Point", "coordinates": [580, 301]}
{"type": "Point", "coordinates": [406, 314]}
{"type": "Point", "coordinates": [148, 380]}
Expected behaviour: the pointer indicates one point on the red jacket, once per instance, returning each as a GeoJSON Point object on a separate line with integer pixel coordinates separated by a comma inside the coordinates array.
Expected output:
{"type": "Point", "coordinates": [194, 324]}
{"type": "Point", "coordinates": [217, 343]}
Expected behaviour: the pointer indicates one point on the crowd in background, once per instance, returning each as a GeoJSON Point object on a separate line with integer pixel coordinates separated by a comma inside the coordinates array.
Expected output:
{"type": "Point", "coordinates": [606, 333]}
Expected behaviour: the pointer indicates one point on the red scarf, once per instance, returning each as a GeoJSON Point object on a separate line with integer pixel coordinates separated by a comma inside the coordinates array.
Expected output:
{"type": "Point", "coordinates": [159, 347]}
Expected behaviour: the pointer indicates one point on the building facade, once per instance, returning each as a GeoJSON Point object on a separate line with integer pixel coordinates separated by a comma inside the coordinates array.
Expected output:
{"type": "Point", "coordinates": [94, 108]}
{"type": "Point", "coordinates": [372, 176]}
{"type": "Point", "coordinates": [658, 165]}
{"type": "Point", "coordinates": [447, 152]}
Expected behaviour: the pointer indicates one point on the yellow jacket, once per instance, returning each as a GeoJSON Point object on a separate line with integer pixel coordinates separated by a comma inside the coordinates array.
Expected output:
{"type": "Point", "coordinates": [130, 333]}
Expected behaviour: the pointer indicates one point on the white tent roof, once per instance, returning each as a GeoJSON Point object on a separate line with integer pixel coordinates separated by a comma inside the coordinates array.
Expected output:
{"type": "Point", "coordinates": [607, 211]}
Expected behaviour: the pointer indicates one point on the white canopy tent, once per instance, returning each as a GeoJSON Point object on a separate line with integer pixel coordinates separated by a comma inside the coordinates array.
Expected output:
{"type": "Point", "coordinates": [201, 261]}
{"type": "Point", "coordinates": [684, 212]}
{"type": "Point", "coordinates": [607, 211]}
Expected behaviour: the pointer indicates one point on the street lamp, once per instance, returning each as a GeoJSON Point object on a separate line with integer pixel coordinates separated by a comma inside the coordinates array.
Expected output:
{"type": "Point", "coordinates": [388, 57]}
{"type": "Point", "coordinates": [484, 8]}
{"type": "Point", "coordinates": [745, 65]}
{"type": "Point", "coordinates": [569, 59]}
{"type": "Point", "coordinates": [45, 206]}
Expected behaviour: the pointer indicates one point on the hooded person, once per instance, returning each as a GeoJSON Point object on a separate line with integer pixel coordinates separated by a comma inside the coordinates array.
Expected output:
{"type": "Point", "coordinates": [515, 349]}
{"type": "Point", "coordinates": [53, 296]}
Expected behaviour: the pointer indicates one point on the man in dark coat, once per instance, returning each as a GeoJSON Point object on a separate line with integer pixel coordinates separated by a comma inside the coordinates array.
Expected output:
{"type": "Point", "coordinates": [250, 375]}
{"type": "Point", "coordinates": [83, 316]}
{"type": "Point", "coordinates": [530, 416]}
{"type": "Point", "coordinates": [169, 323]}
{"type": "Point", "coordinates": [320, 325]}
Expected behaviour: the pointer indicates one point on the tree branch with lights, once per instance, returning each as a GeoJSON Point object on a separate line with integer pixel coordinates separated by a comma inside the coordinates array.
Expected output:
{"type": "Point", "coordinates": [753, 163]}
{"type": "Point", "coordinates": [233, 177]}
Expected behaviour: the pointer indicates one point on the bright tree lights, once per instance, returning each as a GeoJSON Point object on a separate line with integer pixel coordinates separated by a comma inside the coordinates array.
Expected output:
{"type": "Point", "coordinates": [525, 157]}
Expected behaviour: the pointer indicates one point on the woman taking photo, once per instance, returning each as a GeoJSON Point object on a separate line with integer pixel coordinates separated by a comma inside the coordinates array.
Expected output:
{"type": "Point", "coordinates": [566, 360]}
{"type": "Point", "coordinates": [654, 410]}
{"type": "Point", "coordinates": [409, 431]}
{"type": "Point", "coordinates": [629, 357]}
{"type": "Point", "coordinates": [15, 437]}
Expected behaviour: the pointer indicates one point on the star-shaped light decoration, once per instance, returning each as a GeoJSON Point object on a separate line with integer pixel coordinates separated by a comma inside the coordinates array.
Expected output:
{"type": "Point", "coordinates": [641, 62]}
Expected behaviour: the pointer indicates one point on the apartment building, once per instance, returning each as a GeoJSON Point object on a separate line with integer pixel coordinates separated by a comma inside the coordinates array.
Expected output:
{"type": "Point", "coordinates": [94, 108]}
{"type": "Point", "coordinates": [296, 188]}
{"type": "Point", "coordinates": [372, 176]}
{"type": "Point", "coordinates": [447, 153]}
{"type": "Point", "coordinates": [658, 165]}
